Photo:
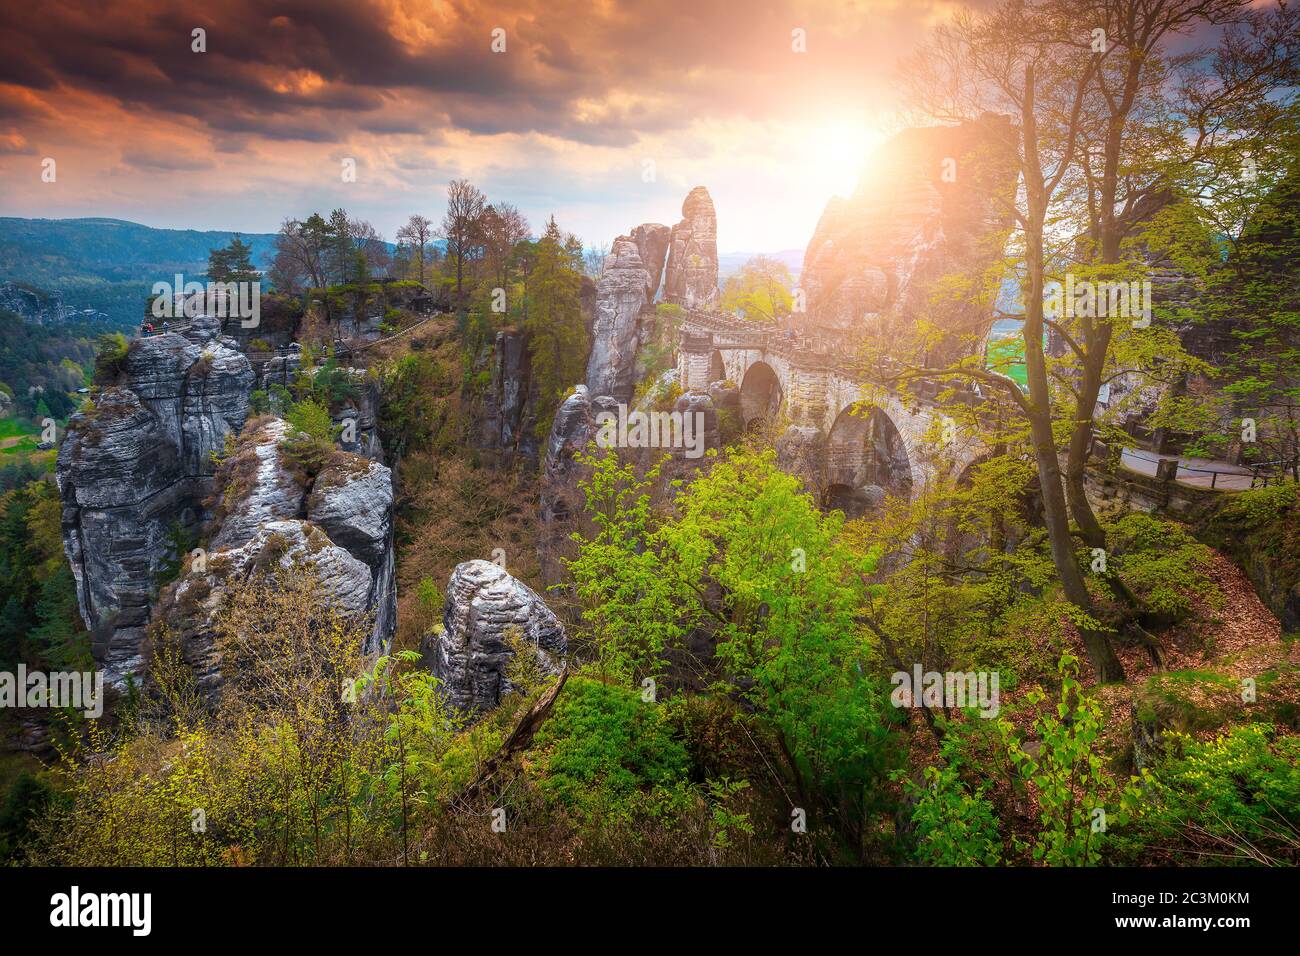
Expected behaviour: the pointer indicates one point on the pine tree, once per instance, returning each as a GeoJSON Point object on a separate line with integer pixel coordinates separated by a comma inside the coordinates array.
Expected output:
{"type": "Point", "coordinates": [557, 336]}
{"type": "Point", "coordinates": [232, 263]}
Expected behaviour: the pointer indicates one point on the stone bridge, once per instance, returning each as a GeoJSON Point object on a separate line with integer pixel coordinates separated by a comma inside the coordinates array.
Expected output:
{"type": "Point", "coordinates": [857, 435]}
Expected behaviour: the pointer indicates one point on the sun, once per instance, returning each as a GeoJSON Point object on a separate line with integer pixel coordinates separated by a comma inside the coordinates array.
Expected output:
{"type": "Point", "coordinates": [839, 151]}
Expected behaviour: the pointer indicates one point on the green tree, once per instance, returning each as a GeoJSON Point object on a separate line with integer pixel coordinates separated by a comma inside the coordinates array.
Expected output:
{"type": "Point", "coordinates": [748, 556]}
{"type": "Point", "coordinates": [760, 291]}
{"type": "Point", "coordinates": [557, 335]}
{"type": "Point", "coordinates": [232, 263]}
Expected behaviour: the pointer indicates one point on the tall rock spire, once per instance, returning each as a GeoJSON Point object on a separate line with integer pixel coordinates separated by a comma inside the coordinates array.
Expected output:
{"type": "Point", "coordinates": [691, 278]}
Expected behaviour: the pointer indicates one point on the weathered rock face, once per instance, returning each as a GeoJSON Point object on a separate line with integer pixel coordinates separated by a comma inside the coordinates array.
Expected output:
{"type": "Point", "coordinates": [682, 260]}
{"type": "Point", "coordinates": [271, 492]}
{"type": "Point", "coordinates": [352, 502]}
{"type": "Point", "coordinates": [801, 451]}
{"type": "Point", "coordinates": [933, 205]}
{"type": "Point", "coordinates": [572, 430]}
{"type": "Point", "coordinates": [134, 464]}
{"type": "Point", "coordinates": [509, 405]}
{"type": "Point", "coordinates": [340, 527]}
{"type": "Point", "coordinates": [652, 240]}
{"type": "Point", "coordinates": [485, 608]}
{"type": "Point", "coordinates": [726, 404]}
{"type": "Point", "coordinates": [141, 460]}
{"type": "Point", "coordinates": [188, 609]}
{"type": "Point", "coordinates": [35, 305]}
{"type": "Point", "coordinates": [622, 292]}
{"type": "Point", "coordinates": [561, 501]}
{"type": "Point", "coordinates": [691, 278]}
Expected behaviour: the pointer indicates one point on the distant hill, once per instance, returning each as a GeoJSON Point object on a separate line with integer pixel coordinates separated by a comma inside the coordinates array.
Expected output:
{"type": "Point", "coordinates": [109, 264]}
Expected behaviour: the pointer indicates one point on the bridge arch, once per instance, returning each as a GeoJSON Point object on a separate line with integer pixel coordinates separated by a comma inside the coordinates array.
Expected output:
{"type": "Point", "coordinates": [867, 447]}
{"type": "Point", "coordinates": [717, 367]}
{"type": "Point", "coordinates": [761, 394]}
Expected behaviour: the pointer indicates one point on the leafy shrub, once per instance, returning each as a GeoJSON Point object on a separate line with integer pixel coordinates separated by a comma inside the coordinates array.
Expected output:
{"type": "Point", "coordinates": [1066, 773]}
{"type": "Point", "coordinates": [310, 444]}
{"type": "Point", "coordinates": [110, 357]}
{"type": "Point", "coordinates": [954, 827]}
{"type": "Point", "coordinates": [312, 419]}
{"type": "Point", "coordinates": [1233, 799]}
{"type": "Point", "coordinates": [1162, 563]}
{"type": "Point", "coordinates": [609, 754]}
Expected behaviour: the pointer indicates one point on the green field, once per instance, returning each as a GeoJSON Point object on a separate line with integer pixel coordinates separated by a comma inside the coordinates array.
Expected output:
{"type": "Point", "coordinates": [1006, 356]}
{"type": "Point", "coordinates": [18, 441]}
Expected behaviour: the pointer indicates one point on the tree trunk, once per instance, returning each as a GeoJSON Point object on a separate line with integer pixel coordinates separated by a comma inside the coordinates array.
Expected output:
{"type": "Point", "coordinates": [1039, 408]}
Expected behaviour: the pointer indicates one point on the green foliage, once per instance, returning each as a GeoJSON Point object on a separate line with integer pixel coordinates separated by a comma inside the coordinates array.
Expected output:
{"type": "Point", "coordinates": [1067, 773]}
{"type": "Point", "coordinates": [954, 827]}
{"type": "Point", "coordinates": [760, 292]}
{"type": "Point", "coordinates": [1161, 562]}
{"type": "Point", "coordinates": [605, 754]}
{"type": "Point", "coordinates": [630, 599]}
{"type": "Point", "coordinates": [747, 553]}
{"type": "Point", "coordinates": [327, 384]}
{"type": "Point", "coordinates": [39, 620]}
{"type": "Point", "coordinates": [25, 800]}
{"type": "Point", "coordinates": [232, 262]}
{"type": "Point", "coordinates": [414, 393]}
{"type": "Point", "coordinates": [110, 357]}
{"type": "Point", "coordinates": [310, 443]}
{"type": "Point", "coordinates": [726, 821]}
{"type": "Point", "coordinates": [44, 364]}
{"type": "Point", "coordinates": [1233, 799]}
{"type": "Point", "coordinates": [312, 419]}
{"type": "Point", "coordinates": [557, 334]}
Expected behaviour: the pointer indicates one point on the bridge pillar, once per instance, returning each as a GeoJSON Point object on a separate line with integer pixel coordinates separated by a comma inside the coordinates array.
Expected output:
{"type": "Point", "coordinates": [695, 352]}
{"type": "Point", "coordinates": [807, 399]}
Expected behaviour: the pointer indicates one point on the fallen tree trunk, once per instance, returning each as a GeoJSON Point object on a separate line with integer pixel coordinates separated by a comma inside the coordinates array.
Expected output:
{"type": "Point", "coordinates": [519, 740]}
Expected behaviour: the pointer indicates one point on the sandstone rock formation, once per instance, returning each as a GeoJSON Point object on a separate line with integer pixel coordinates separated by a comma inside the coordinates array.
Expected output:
{"type": "Point", "coordinates": [509, 427]}
{"type": "Point", "coordinates": [691, 278]}
{"type": "Point", "coordinates": [682, 260]}
{"type": "Point", "coordinates": [652, 240]}
{"type": "Point", "coordinates": [340, 526]}
{"type": "Point", "coordinates": [933, 202]}
{"type": "Point", "coordinates": [35, 305]}
{"type": "Point", "coordinates": [135, 462]}
{"type": "Point", "coordinates": [621, 295]}
{"type": "Point", "coordinates": [561, 502]}
{"type": "Point", "coordinates": [485, 608]}
{"type": "Point", "coordinates": [140, 461]}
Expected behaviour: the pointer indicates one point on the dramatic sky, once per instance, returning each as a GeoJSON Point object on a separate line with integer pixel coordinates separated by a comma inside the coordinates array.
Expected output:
{"type": "Point", "coordinates": [568, 120]}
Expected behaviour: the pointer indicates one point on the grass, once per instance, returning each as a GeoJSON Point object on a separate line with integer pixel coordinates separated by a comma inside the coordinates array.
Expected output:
{"type": "Point", "coordinates": [18, 441]}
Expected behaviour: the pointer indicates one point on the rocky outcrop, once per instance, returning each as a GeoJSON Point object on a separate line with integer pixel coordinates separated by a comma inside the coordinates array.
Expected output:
{"type": "Point", "coordinates": [652, 240]}
{"type": "Point", "coordinates": [801, 451]}
{"type": "Point", "coordinates": [261, 488]}
{"type": "Point", "coordinates": [509, 428]}
{"type": "Point", "coordinates": [726, 404]}
{"type": "Point", "coordinates": [35, 305]}
{"type": "Point", "coordinates": [352, 502]}
{"type": "Point", "coordinates": [683, 261]}
{"type": "Point", "coordinates": [561, 502]}
{"type": "Point", "coordinates": [572, 430]}
{"type": "Point", "coordinates": [486, 610]}
{"type": "Point", "coordinates": [622, 293]}
{"type": "Point", "coordinates": [691, 279]}
{"type": "Point", "coordinates": [935, 203]}
{"type": "Point", "coordinates": [140, 463]}
{"type": "Point", "coordinates": [339, 525]}
{"type": "Point", "coordinates": [135, 463]}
